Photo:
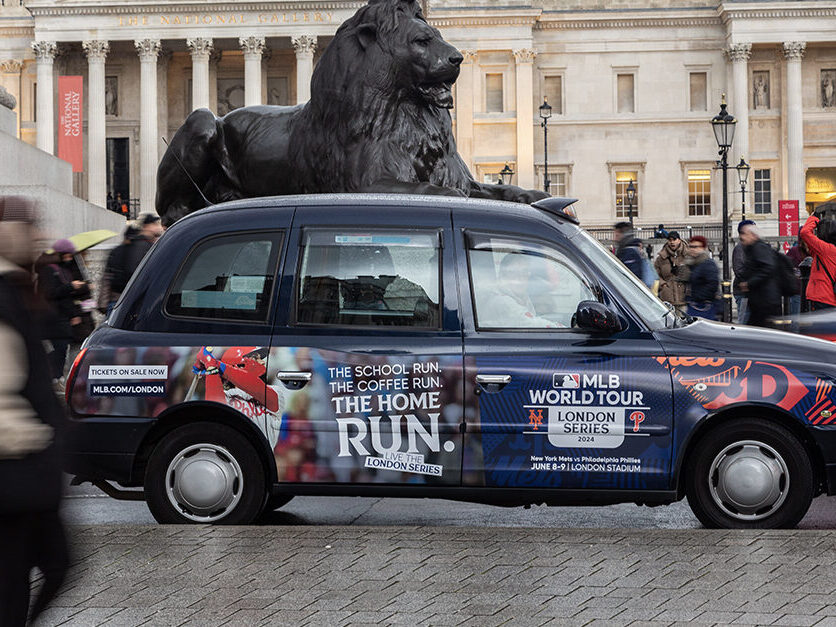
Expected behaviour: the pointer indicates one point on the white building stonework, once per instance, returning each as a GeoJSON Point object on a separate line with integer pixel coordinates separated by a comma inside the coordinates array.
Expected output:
{"type": "Point", "coordinates": [632, 85]}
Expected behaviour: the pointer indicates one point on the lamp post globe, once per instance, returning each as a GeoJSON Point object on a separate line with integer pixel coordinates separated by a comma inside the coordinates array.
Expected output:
{"type": "Point", "coordinates": [505, 175]}
{"type": "Point", "coordinates": [723, 125]}
{"type": "Point", "coordinates": [631, 196]}
{"type": "Point", "coordinates": [743, 178]}
{"type": "Point", "coordinates": [545, 114]}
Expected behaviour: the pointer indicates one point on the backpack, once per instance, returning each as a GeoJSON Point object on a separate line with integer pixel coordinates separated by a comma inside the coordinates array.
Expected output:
{"type": "Point", "coordinates": [787, 279]}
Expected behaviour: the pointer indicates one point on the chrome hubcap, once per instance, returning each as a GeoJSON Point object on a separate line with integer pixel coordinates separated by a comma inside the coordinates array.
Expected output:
{"type": "Point", "coordinates": [204, 482]}
{"type": "Point", "coordinates": [749, 480]}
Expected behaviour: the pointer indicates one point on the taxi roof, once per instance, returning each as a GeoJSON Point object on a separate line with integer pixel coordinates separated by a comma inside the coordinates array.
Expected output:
{"type": "Point", "coordinates": [405, 201]}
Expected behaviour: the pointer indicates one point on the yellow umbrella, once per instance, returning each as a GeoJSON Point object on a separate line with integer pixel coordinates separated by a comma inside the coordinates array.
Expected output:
{"type": "Point", "coordinates": [88, 239]}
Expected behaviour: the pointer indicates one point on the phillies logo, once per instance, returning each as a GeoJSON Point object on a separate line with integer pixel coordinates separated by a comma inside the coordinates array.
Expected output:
{"type": "Point", "coordinates": [637, 417]}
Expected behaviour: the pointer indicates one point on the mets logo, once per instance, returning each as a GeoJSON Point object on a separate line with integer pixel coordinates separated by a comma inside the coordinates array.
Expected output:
{"type": "Point", "coordinates": [535, 418]}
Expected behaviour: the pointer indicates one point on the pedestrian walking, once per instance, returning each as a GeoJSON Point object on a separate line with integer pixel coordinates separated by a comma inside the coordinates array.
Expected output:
{"type": "Point", "coordinates": [31, 426]}
{"type": "Point", "coordinates": [820, 238]}
{"type": "Point", "coordinates": [668, 261]}
{"type": "Point", "coordinates": [115, 275]}
{"type": "Point", "coordinates": [150, 230]}
{"type": "Point", "coordinates": [700, 274]}
{"type": "Point", "coordinates": [796, 254]}
{"type": "Point", "coordinates": [738, 259]}
{"type": "Point", "coordinates": [63, 293]}
{"type": "Point", "coordinates": [758, 280]}
{"type": "Point", "coordinates": [628, 248]}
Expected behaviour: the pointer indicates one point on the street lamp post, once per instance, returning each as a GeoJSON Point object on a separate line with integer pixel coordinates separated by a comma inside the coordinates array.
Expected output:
{"type": "Point", "coordinates": [631, 196]}
{"type": "Point", "coordinates": [545, 114]}
{"type": "Point", "coordinates": [505, 175]}
{"type": "Point", "coordinates": [743, 177]}
{"type": "Point", "coordinates": [723, 125]}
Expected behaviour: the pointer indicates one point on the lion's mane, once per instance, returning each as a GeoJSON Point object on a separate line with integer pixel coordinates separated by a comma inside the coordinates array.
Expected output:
{"type": "Point", "coordinates": [359, 126]}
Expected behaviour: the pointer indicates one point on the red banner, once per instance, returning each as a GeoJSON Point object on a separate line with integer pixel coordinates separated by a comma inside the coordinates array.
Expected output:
{"type": "Point", "coordinates": [70, 118]}
{"type": "Point", "coordinates": [788, 218]}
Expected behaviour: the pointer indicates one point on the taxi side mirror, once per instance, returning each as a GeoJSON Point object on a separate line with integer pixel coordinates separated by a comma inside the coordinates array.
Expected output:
{"type": "Point", "coordinates": [596, 317]}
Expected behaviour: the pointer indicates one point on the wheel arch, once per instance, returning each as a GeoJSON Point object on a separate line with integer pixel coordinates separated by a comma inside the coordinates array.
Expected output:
{"type": "Point", "coordinates": [203, 411]}
{"type": "Point", "coordinates": [751, 410]}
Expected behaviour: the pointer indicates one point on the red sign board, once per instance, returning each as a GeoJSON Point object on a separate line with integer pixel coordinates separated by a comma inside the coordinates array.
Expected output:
{"type": "Point", "coordinates": [70, 121]}
{"type": "Point", "coordinates": [788, 218]}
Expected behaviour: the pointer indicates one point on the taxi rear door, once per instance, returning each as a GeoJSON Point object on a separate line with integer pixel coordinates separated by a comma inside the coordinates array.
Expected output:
{"type": "Point", "coordinates": [368, 351]}
{"type": "Point", "coordinates": [549, 405]}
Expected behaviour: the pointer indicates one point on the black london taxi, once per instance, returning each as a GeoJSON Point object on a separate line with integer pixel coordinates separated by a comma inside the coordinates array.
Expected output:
{"type": "Point", "coordinates": [435, 347]}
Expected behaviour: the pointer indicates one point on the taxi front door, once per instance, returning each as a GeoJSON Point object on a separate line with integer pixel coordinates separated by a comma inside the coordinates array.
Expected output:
{"type": "Point", "coordinates": [548, 405]}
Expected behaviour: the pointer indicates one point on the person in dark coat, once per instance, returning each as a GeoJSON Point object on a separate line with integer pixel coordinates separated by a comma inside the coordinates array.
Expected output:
{"type": "Point", "coordinates": [628, 248]}
{"type": "Point", "coordinates": [758, 279]}
{"type": "Point", "coordinates": [702, 278]}
{"type": "Point", "coordinates": [151, 229]}
{"type": "Point", "coordinates": [115, 277]}
{"type": "Point", "coordinates": [738, 258]}
{"type": "Point", "coordinates": [63, 293]}
{"type": "Point", "coordinates": [32, 423]}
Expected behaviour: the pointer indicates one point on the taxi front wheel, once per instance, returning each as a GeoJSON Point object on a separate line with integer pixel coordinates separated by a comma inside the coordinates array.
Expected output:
{"type": "Point", "coordinates": [205, 473]}
{"type": "Point", "coordinates": [749, 474]}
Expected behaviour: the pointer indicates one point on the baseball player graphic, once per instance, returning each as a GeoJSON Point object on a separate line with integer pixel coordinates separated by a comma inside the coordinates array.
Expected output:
{"type": "Point", "coordinates": [238, 379]}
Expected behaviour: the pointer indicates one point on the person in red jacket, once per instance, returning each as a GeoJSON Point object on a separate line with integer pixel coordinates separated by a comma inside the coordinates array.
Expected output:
{"type": "Point", "coordinates": [822, 247]}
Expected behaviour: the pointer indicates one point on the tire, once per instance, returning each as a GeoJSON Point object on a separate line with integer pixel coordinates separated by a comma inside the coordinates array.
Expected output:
{"type": "Point", "coordinates": [205, 472]}
{"type": "Point", "coordinates": [276, 501]}
{"type": "Point", "coordinates": [749, 474]}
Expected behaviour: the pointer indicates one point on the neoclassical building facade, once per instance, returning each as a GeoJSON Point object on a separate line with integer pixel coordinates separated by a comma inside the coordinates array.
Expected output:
{"type": "Point", "coordinates": [632, 85]}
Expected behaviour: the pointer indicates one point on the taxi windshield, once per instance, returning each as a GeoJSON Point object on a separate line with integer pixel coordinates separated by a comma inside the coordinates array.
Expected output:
{"type": "Point", "coordinates": [652, 310]}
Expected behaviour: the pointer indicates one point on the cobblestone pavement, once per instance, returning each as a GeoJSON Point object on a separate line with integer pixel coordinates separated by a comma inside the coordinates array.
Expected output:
{"type": "Point", "coordinates": [296, 575]}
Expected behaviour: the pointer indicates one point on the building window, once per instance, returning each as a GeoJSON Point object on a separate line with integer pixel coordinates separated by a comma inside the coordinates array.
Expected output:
{"type": "Point", "coordinates": [493, 93]}
{"type": "Point", "coordinates": [763, 191]}
{"type": "Point", "coordinates": [626, 93]}
{"type": "Point", "coordinates": [699, 192]}
{"type": "Point", "coordinates": [622, 204]}
{"type": "Point", "coordinates": [699, 82]}
{"type": "Point", "coordinates": [553, 91]}
{"type": "Point", "coordinates": [558, 181]}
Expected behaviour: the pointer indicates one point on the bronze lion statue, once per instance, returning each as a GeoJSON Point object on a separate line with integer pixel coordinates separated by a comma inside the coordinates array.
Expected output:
{"type": "Point", "coordinates": [378, 121]}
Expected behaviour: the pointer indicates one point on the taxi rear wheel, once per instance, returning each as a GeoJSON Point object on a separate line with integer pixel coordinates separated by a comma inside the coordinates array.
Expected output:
{"type": "Point", "coordinates": [749, 474]}
{"type": "Point", "coordinates": [205, 473]}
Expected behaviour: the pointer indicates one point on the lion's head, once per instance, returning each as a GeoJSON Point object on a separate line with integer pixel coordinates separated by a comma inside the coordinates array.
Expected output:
{"type": "Point", "coordinates": [387, 47]}
{"type": "Point", "coordinates": [379, 104]}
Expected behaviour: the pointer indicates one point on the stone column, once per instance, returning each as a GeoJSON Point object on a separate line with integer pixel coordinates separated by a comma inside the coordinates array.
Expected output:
{"type": "Point", "coordinates": [464, 108]}
{"type": "Point", "coordinates": [201, 49]}
{"type": "Point", "coordinates": [305, 46]}
{"type": "Point", "coordinates": [96, 51]}
{"type": "Point", "coordinates": [525, 114]}
{"type": "Point", "coordinates": [739, 56]}
{"type": "Point", "coordinates": [148, 50]}
{"type": "Point", "coordinates": [11, 81]}
{"type": "Point", "coordinates": [796, 184]}
{"type": "Point", "coordinates": [253, 48]}
{"type": "Point", "coordinates": [45, 52]}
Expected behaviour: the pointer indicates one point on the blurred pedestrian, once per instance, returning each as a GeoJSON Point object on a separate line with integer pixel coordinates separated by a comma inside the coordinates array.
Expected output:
{"type": "Point", "coordinates": [628, 248]}
{"type": "Point", "coordinates": [758, 280]}
{"type": "Point", "coordinates": [115, 276]}
{"type": "Point", "coordinates": [150, 230]}
{"type": "Point", "coordinates": [796, 254]}
{"type": "Point", "coordinates": [669, 259]}
{"type": "Point", "coordinates": [820, 238]}
{"type": "Point", "coordinates": [661, 232]}
{"type": "Point", "coordinates": [738, 259]}
{"type": "Point", "coordinates": [63, 293]}
{"type": "Point", "coordinates": [700, 274]}
{"type": "Point", "coordinates": [31, 426]}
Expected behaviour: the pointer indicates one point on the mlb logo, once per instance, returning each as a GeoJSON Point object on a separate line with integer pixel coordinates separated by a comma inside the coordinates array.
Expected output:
{"type": "Point", "coordinates": [566, 380]}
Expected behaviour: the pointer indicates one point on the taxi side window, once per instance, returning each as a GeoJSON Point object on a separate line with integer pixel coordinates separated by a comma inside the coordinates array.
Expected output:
{"type": "Point", "coordinates": [517, 284]}
{"type": "Point", "coordinates": [227, 278]}
{"type": "Point", "coordinates": [369, 278]}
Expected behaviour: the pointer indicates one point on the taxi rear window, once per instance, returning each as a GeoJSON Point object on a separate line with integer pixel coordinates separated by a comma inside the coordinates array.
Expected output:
{"type": "Point", "coordinates": [373, 277]}
{"type": "Point", "coordinates": [228, 278]}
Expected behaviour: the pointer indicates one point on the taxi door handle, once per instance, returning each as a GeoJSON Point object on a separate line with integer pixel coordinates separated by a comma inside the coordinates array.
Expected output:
{"type": "Point", "coordinates": [492, 382]}
{"type": "Point", "coordinates": [294, 380]}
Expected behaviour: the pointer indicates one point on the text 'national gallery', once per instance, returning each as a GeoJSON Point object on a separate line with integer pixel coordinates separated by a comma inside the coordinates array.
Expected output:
{"type": "Point", "coordinates": [632, 86]}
